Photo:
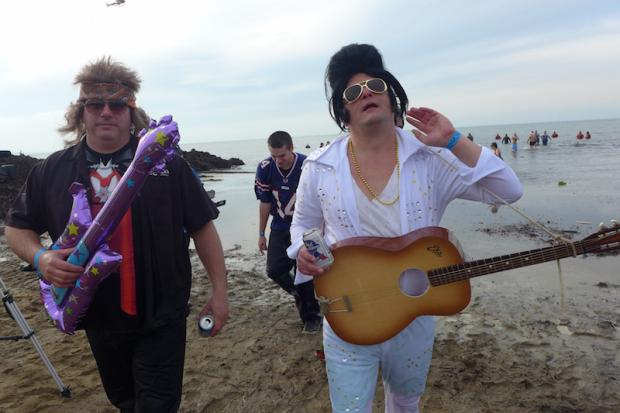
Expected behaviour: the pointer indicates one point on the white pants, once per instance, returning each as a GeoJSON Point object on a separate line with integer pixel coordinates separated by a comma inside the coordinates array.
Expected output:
{"type": "Point", "coordinates": [404, 360]}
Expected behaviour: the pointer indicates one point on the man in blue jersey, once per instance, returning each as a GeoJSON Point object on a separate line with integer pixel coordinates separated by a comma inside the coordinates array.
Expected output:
{"type": "Point", "coordinates": [276, 182]}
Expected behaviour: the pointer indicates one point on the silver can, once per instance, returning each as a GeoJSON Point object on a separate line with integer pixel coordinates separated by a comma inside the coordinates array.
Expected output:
{"type": "Point", "coordinates": [317, 246]}
{"type": "Point", "coordinates": [205, 325]}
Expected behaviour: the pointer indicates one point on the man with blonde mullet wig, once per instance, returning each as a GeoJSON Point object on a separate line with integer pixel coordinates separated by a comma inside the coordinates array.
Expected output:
{"type": "Point", "coordinates": [136, 324]}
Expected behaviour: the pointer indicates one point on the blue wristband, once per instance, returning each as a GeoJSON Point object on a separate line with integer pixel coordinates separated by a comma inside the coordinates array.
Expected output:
{"type": "Point", "coordinates": [261, 233]}
{"type": "Point", "coordinates": [453, 140]}
{"type": "Point", "coordinates": [36, 260]}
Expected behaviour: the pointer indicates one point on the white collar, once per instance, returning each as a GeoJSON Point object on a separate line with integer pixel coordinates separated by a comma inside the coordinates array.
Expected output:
{"type": "Point", "coordinates": [336, 151]}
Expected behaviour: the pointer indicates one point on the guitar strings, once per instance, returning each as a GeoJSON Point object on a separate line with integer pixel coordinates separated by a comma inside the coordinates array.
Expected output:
{"type": "Point", "coordinates": [545, 253]}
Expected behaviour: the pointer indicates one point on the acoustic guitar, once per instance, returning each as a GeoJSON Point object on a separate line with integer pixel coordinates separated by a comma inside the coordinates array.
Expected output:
{"type": "Point", "coordinates": [377, 286]}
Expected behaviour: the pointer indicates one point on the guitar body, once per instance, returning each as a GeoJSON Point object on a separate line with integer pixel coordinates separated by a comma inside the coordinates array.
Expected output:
{"type": "Point", "coordinates": [371, 295]}
{"type": "Point", "coordinates": [377, 286]}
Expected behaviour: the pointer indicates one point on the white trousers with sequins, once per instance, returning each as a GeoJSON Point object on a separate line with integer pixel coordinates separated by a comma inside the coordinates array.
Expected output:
{"type": "Point", "coordinates": [404, 361]}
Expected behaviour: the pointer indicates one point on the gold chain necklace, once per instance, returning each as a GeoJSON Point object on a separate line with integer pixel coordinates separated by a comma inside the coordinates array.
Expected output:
{"type": "Point", "coordinates": [372, 192]}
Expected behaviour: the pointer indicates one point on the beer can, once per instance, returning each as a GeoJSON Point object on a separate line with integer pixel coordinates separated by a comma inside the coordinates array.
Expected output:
{"type": "Point", "coordinates": [317, 246]}
{"type": "Point", "coordinates": [205, 325]}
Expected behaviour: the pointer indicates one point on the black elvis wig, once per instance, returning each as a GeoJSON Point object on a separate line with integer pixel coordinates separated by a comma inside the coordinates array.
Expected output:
{"type": "Point", "coordinates": [349, 61]}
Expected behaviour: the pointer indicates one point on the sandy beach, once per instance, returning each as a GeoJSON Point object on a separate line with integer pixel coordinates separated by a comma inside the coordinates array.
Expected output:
{"type": "Point", "coordinates": [512, 350]}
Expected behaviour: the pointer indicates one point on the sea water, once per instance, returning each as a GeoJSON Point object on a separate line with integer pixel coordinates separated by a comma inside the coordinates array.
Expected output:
{"type": "Point", "coordinates": [568, 184]}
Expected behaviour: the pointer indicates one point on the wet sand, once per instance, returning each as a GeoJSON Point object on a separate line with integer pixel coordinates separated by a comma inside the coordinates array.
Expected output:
{"type": "Point", "coordinates": [512, 350]}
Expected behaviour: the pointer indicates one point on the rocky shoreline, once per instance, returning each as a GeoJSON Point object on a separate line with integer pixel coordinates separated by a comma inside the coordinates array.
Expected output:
{"type": "Point", "coordinates": [14, 170]}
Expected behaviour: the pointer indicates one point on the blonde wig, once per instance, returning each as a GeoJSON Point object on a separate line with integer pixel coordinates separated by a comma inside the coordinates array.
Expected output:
{"type": "Point", "coordinates": [104, 78]}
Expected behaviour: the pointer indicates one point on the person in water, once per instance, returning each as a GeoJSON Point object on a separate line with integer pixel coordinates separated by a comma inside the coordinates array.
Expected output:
{"type": "Point", "coordinates": [531, 139]}
{"type": "Point", "coordinates": [514, 139]}
{"type": "Point", "coordinates": [496, 150]}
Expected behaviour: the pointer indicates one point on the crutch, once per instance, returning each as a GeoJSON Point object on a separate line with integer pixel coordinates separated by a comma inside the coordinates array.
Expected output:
{"type": "Point", "coordinates": [28, 334]}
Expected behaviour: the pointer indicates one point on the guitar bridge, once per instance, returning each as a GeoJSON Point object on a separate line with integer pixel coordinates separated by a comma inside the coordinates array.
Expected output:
{"type": "Point", "coordinates": [325, 303]}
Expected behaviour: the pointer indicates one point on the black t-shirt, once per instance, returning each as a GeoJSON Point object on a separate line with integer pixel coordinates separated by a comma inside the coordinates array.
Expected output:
{"type": "Point", "coordinates": [171, 205]}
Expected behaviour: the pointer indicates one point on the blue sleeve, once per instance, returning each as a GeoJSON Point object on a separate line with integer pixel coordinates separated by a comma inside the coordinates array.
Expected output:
{"type": "Point", "coordinates": [262, 183]}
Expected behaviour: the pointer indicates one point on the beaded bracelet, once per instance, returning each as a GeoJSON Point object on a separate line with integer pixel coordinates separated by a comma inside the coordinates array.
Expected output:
{"type": "Point", "coordinates": [453, 140]}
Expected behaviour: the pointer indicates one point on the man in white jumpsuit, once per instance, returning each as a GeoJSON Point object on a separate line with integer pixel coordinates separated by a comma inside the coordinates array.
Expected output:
{"type": "Point", "coordinates": [382, 181]}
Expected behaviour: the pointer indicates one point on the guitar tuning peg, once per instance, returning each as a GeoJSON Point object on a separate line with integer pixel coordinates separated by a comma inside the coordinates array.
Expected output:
{"type": "Point", "coordinates": [615, 223]}
{"type": "Point", "coordinates": [602, 226]}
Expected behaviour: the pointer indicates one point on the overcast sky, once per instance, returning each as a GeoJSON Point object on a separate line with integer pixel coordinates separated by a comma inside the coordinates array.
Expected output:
{"type": "Point", "coordinates": [230, 69]}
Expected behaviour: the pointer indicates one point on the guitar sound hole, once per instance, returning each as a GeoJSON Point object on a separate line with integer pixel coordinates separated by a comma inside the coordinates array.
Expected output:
{"type": "Point", "coordinates": [413, 282]}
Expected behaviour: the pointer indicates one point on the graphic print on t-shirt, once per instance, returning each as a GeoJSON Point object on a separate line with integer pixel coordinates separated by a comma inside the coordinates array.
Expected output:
{"type": "Point", "coordinates": [103, 180]}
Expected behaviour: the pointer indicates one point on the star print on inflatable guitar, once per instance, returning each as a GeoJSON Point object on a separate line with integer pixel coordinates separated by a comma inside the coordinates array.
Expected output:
{"type": "Point", "coordinates": [67, 306]}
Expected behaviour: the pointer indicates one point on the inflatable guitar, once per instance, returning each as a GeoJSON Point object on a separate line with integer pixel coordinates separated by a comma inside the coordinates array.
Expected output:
{"type": "Point", "coordinates": [67, 306]}
{"type": "Point", "coordinates": [377, 286]}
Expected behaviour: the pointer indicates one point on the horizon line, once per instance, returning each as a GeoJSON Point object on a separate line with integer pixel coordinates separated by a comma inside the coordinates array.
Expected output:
{"type": "Point", "coordinates": [459, 127]}
{"type": "Point", "coordinates": [43, 155]}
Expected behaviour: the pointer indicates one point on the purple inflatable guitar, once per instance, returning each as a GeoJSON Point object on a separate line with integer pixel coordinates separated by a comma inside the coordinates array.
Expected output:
{"type": "Point", "coordinates": [67, 306]}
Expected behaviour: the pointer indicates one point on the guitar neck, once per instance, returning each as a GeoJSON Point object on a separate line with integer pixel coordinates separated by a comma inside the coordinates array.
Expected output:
{"type": "Point", "coordinates": [471, 269]}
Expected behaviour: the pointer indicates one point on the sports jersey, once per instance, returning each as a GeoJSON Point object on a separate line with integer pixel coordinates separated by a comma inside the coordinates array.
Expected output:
{"type": "Point", "coordinates": [272, 185]}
